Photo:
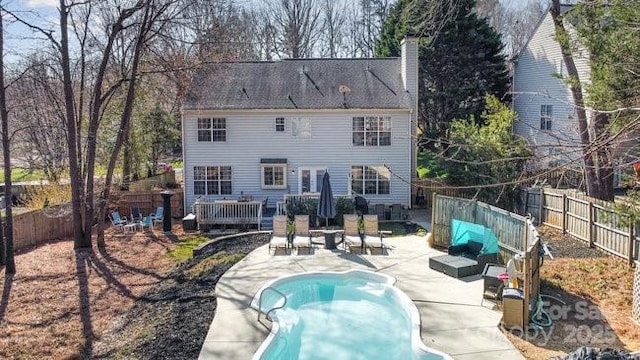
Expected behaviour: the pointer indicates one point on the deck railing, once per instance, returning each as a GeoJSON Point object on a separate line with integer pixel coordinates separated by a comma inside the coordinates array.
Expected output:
{"type": "Point", "coordinates": [228, 213]}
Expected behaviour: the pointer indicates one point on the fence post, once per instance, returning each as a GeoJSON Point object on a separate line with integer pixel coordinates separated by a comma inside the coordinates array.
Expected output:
{"type": "Point", "coordinates": [631, 243]}
{"type": "Point", "coordinates": [590, 220]}
{"type": "Point", "coordinates": [434, 197]}
{"type": "Point", "coordinates": [564, 213]}
{"type": "Point", "coordinates": [541, 212]}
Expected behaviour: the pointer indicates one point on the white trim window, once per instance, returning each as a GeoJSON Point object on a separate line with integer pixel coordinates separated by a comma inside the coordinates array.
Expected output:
{"type": "Point", "coordinates": [212, 129]}
{"type": "Point", "coordinates": [273, 176]}
{"type": "Point", "coordinates": [546, 116]}
{"type": "Point", "coordinates": [212, 180]}
{"type": "Point", "coordinates": [280, 125]}
{"type": "Point", "coordinates": [301, 127]}
{"type": "Point", "coordinates": [372, 180]}
{"type": "Point", "coordinates": [371, 131]}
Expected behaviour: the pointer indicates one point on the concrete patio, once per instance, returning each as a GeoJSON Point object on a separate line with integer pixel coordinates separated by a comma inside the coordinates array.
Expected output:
{"type": "Point", "coordinates": [454, 318]}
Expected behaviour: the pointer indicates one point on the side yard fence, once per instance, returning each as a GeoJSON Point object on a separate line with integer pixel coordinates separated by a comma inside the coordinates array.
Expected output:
{"type": "Point", "coordinates": [590, 220]}
{"type": "Point", "coordinates": [516, 235]}
{"type": "Point", "coordinates": [34, 227]}
{"type": "Point", "coordinates": [149, 200]}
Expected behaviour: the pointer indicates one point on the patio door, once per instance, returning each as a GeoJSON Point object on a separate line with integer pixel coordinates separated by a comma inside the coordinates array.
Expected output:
{"type": "Point", "coordinates": [310, 179]}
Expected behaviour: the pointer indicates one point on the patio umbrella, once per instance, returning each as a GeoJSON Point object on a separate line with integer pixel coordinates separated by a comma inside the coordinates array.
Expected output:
{"type": "Point", "coordinates": [326, 207]}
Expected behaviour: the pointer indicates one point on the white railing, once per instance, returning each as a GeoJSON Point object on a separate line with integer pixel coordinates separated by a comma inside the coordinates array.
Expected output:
{"type": "Point", "coordinates": [228, 212]}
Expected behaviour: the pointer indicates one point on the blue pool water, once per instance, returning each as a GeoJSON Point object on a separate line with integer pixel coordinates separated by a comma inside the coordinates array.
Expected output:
{"type": "Point", "coordinates": [355, 315]}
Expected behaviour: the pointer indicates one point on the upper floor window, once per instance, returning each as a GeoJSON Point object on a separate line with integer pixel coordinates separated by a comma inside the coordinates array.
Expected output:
{"type": "Point", "coordinates": [371, 131]}
{"type": "Point", "coordinates": [546, 115]}
{"type": "Point", "coordinates": [301, 127]}
{"type": "Point", "coordinates": [212, 180]}
{"type": "Point", "coordinates": [212, 129]}
{"type": "Point", "coordinates": [374, 180]}
{"type": "Point", "coordinates": [280, 124]}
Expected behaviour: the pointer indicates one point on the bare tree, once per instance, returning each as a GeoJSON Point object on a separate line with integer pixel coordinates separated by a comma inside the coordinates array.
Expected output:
{"type": "Point", "coordinates": [7, 240]}
{"type": "Point", "coordinates": [333, 28]}
{"type": "Point", "coordinates": [514, 23]}
{"type": "Point", "coordinates": [372, 16]}
{"type": "Point", "coordinates": [39, 138]}
{"type": "Point", "coordinates": [592, 144]}
{"type": "Point", "coordinates": [297, 23]}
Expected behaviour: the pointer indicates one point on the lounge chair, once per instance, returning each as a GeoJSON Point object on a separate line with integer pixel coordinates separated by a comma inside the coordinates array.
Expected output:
{"type": "Point", "coordinates": [279, 235]}
{"type": "Point", "coordinates": [301, 235]}
{"type": "Point", "coordinates": [117, 220]}
{"type": "Point", "coordinates": [351, 237]}
{"type": "Point", "coordinates": [157, 217]}
{"type": "Point", "coordinates": [372, 236]}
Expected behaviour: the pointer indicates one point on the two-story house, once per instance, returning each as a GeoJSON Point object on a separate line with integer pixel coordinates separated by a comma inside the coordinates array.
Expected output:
{"type": "Point", "coordinates": [542, 99]}
{"type": "Point", "coordinates": [265, 129]}
{"type": "Point", "coordinates": [546, 111]}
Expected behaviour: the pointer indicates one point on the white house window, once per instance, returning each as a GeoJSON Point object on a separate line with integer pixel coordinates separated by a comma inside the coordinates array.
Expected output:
{"type": "Point", "coordinates": [375, 180]}
{"type": "Point", "coordinates": [212, 129]}
{"type": "Point", "coordinates": [546, 115]}
{"type": "Point", "coordinates": [301, 127]}
{"type": "Point", "coordinates": [204, 129]}
{"type": "Point", "coordinates": [280, 125]}
{"type": "Point", "coordinates": [273, 173]}
{"type": "Point", "coordinates": [211, 180]}
{"type": "Point", "coordinates": [371, 131]}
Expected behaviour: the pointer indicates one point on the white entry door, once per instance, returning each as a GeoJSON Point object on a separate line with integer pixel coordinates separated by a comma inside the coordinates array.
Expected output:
{"type": "Point", "coordinates": [310, 179]}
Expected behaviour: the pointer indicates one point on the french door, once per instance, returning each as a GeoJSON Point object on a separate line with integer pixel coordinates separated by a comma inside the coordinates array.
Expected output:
{"type": "Point", "coordinates": [310, 179]}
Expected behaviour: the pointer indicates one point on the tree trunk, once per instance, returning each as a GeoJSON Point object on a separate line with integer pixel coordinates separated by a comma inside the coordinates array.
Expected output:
{"type": "Point", "coordinates": [10, 264]}
{"type": "Point", "coordinates": [70, 123]}
{"type": "Point", "coordinates": [604, 159]}
{"type": "Point", "coordinates": [125, 121]}
{"type": "Point", "coordinates": [590, 170]}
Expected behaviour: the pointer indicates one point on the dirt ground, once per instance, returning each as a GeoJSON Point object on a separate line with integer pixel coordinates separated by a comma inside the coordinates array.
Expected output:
{"type": "Point", "coordinates": [597, 291]}
{"type": "Point", "coordinates": [61, 301]}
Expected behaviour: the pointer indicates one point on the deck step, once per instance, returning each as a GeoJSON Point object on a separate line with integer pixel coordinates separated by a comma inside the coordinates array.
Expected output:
{"type": "Point", "coordinates": [266, 224]}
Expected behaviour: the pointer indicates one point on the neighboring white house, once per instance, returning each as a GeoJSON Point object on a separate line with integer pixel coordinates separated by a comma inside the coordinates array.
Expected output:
{"type": "Point", "coordinates": [542, 99]}
{"type": "Point", "coordinates": [265, 129]}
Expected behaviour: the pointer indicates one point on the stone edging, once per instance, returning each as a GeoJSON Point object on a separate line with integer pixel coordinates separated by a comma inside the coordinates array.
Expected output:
{"type": "Point", "coordinates": [200, 249]}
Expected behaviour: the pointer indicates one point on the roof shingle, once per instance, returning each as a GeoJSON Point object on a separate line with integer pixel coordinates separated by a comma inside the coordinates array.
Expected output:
{"type": "Point", "coordinates": [300, 84]}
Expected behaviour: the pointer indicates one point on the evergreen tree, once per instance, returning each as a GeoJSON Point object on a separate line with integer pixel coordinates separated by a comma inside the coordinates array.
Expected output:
{"type": "Point", "coordinates": [487, 159]}
{"type": "Point", "coordinates": [460, 61]}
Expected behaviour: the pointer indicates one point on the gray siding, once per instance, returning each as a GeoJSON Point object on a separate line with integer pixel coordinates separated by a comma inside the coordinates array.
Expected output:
{"type": "Point", "coordinates": [251, 136]}
{"type": "Point", "coordinates": [536, 83]}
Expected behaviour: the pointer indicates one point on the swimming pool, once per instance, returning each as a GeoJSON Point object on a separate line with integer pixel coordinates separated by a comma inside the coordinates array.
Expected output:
{"type": "Point", "coordinates": [352, 315]}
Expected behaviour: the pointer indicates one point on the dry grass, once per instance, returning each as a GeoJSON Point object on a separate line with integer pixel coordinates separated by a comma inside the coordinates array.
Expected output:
{"type": "Point", "coordinates": [585, 279]}
{"type": "Point", "coordinates": [61, 301]}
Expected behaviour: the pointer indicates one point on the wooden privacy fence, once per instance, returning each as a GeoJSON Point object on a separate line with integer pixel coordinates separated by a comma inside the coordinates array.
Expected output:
{"type": "Point", "coordinates": [516, 235]}
{"type": "Point", "coordinates": [148, 201]}
{"type": "Point", "coordinates": [422, 191]}
{"type": "Point", "coordinates": [34, 227]}
{"type": "Point", "coordinates": [590, 220]}
{"type": "Point", "coordinates": [154, 181]}
{"type": "Point", "coordinates": [56, 222]}
{"type": "Point", "coordinates": [635, 311]}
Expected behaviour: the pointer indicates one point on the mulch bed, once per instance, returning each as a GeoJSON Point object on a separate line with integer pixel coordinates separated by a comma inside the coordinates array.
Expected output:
{"type": "Point", "coordinates": [171, 320]}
